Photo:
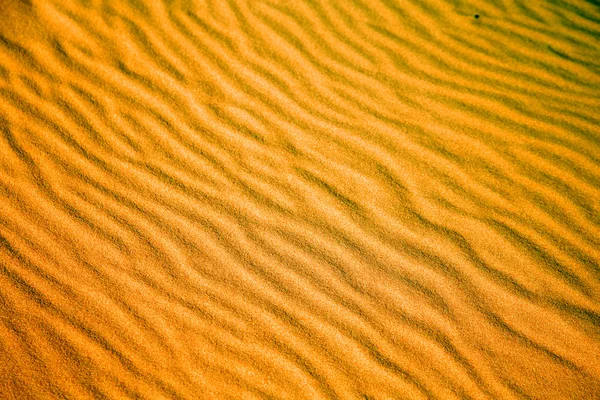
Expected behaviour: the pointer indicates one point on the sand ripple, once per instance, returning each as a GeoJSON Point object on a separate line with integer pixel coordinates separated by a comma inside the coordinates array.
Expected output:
{"type": "Point", "coordinates": [256, 199]}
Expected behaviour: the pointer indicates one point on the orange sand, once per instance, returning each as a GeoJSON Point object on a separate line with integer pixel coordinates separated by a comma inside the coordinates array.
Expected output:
{"type": "Point", "coordinates": [328, 199]}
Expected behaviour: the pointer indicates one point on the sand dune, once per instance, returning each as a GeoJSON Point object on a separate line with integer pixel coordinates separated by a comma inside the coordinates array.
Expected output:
{"type": "Point", "coordinates": [268, 199]}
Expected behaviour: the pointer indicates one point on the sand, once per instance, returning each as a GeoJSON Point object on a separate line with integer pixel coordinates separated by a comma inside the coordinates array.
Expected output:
{"type": "Point", "coordinates": [324, 199]}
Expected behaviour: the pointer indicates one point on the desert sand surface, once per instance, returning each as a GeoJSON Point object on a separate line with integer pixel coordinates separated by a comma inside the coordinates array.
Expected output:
{"type": "Point", "coordinates": [308, 199]}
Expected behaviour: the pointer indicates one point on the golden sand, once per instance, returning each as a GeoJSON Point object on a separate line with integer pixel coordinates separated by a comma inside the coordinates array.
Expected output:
{"type": "Point", "coordinates": [311, 199]}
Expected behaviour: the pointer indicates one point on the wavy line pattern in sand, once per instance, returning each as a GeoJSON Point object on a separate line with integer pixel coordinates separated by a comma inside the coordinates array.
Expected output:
{"type": "Point", "coordinates": [315, 199]}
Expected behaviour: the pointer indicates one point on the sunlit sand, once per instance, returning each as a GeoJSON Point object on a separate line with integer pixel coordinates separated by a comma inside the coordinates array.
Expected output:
{"type": "Point", "coordinates": [268, 199]}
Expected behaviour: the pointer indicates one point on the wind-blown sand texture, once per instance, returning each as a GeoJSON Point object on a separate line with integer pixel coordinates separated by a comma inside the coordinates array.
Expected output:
{"type": "Point", "coordinates": [270, 199]}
